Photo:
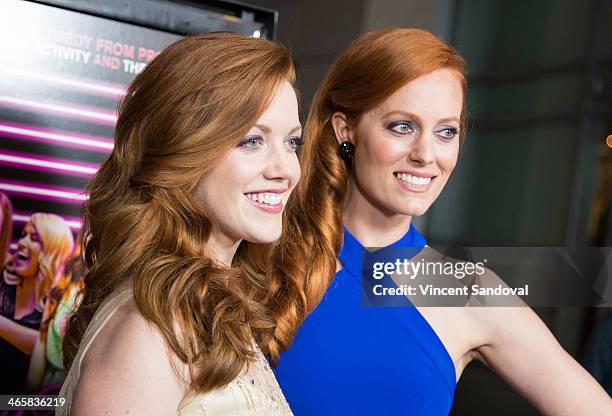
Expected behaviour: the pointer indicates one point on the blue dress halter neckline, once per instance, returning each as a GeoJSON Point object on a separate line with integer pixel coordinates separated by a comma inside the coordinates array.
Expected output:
{"type": "Point", "coordinates": [348, 359]}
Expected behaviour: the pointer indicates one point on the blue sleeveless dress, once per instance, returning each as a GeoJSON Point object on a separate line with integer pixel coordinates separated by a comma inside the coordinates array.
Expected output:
{"type": "Point", "coordinates": [348, 359]}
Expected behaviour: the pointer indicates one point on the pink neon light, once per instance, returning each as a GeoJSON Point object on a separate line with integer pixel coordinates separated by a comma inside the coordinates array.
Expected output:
{"type": "Point", "coordinates": [27, 132]}
{"type": "Point", "coordinates": [75, 223]}
{"type": "Point", "coordinates": [47, 192]}
{"type": "Point", "coordinates": [80, 113]}
{"type": "Point", "coordinates": [47, 164]}
{"type": "Point", "coordinates": [97, 87]}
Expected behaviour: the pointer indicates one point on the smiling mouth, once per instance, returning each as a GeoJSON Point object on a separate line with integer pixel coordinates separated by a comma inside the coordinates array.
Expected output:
{"type": "Point", "coordinates": [412, 180]}
{"type": "Point", "coordinates": [22, 256]}
{"type": "Point", "coordinates": [266, 201]}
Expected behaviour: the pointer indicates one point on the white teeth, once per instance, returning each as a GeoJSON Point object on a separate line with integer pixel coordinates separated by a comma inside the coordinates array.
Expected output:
{"type": "Point", "coordinates": [413, 180]}
{"type": "Point", "coordinates": [266, 198]}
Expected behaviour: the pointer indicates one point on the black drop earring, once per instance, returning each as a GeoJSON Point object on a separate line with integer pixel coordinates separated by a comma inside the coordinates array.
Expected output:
{"type": "Point", "coordinates": [346, 151]}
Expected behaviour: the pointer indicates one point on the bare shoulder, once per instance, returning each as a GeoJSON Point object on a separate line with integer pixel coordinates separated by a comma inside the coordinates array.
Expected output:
{"type": "Point", "coordinates": [490, 314]}
{"type": "Point", "coordinates": [498, 320]}
{"type": "Point", "coordinates": [127, 369]}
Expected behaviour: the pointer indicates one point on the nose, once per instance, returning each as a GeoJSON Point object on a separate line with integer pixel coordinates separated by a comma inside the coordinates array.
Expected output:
{"type": "Point", "coordinates": [422, 151]}
{"type": "Point", "coordinates": [21, 243]}
{"type": "Point", "coordinates": [281, 165]}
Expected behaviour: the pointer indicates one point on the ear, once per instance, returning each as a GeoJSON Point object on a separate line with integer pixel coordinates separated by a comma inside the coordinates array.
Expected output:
{"type": "Point", "coordinates": [341, 127]}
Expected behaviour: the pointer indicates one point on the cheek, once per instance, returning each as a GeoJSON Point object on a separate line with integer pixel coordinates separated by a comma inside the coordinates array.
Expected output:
{"type": "Point", "coordinates": [242, 169]}
{"type": "Point", "coordinates": [379, 151]}
{"type": "Point", "coordinates": [296, 171]}
{"type": "Point", "coordinates": [447, 158]}
{"type": "Point", "coordinates": [230, 176]}
{"type": "Point", "coordinates": [35, 250]}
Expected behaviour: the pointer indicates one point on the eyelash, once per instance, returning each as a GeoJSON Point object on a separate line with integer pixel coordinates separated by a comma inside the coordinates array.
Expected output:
{"type": "Point", "coordinates": [410, 125]}
{"type": "Point", "coordinates": [295, 142]}
{"type": "Point", "coordinates": [33, 237]}
{"type": "Point", "coordinates": [453, 131]}
{"type": "Point", "coordinates": [250, 139]}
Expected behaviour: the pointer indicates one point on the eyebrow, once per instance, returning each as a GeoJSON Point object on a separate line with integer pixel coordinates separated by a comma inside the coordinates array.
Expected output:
{"type": "Point", "coordinates": [447, 119]}
{"type": "Point", "coordinates": [268, 130]}
{"type": "Point", "coordinates": [417, 118]}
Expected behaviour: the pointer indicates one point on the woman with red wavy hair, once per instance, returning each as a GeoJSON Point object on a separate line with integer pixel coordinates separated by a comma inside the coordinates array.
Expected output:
{"type": "Point", "coordinates": [173, 317]}
{"type": "Point", "coordinates": [381, 141]}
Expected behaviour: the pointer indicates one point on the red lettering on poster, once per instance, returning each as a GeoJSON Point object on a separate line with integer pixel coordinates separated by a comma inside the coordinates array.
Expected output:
{"type": "Point", "coordinates": [145, 54]}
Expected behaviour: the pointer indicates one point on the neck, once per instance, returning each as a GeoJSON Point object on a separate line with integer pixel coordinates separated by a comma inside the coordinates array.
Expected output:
{"type": "Point", "coordinates": [25, 297]}
{"type": "Point", "coordinates": [372, 225]}
{"type": "Point", "coordinates": [222, 247]}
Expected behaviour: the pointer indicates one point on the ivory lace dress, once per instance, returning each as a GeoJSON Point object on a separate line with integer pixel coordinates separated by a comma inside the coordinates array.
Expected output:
{"type": "Point", "coordinates": [254, 393]}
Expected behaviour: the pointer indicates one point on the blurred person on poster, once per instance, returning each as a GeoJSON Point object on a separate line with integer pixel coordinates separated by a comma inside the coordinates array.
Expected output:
{"type": "Point", "coordinates": [382, 138]}
{"type": "Point", "coordinates": [45, 243]}
{"type": "Point", "coordinates": [173, 318]}
{"type": "Point", "coordinates": [46, 366]}
{"type": "Point", "coordinates": [6, 227]}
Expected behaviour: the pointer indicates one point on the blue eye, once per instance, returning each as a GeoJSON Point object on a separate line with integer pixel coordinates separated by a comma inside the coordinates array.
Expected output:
{"type": "Point", "coordinates": [295, 142]}
{"type": "Point", "coordinates": [402, 127]}
{"type": "Point", "coordinates": [448, 132]}
{"type": "Point", "coordinates": [251, 142]}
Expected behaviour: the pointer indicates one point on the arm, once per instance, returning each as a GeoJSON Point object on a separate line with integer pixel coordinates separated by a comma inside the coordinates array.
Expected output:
{"type": "Point", "coordinates": [518, 346]}
{"type": "Point", "coordinates": [127, 371]}
{"type": "Point", "coordinates": [21, 337]}
{"type": "Point", "coordinates": [38, 362]}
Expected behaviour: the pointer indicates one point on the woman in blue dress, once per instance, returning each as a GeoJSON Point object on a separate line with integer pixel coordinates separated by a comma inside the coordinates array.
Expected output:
{"type": "Point", "coordinates": [382, 138]}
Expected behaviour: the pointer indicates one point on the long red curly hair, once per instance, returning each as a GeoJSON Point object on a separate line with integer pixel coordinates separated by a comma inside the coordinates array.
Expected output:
{"type": "Point", "coordinates": [189, 107]}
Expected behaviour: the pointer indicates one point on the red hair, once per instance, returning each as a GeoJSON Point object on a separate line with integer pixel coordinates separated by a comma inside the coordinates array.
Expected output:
{"type": "Point", "coordinates": [182, 114]}
{"type": "Point", "coordinates": [374, 66]}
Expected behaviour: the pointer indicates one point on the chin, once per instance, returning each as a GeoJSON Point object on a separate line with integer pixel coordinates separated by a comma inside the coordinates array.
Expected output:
{"type": "Point", "coordinates": [264, 236]}
{"type": "Point", "coordinates": [21, 272]}
{"type": "Point", "coordinates": [414, 208]}
{"type": "Point", "coordinates": [418, 213]}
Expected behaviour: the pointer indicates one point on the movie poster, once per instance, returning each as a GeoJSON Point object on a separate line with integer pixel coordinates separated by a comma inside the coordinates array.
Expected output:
{"type": "Point", "coordinates": [59, 90]}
